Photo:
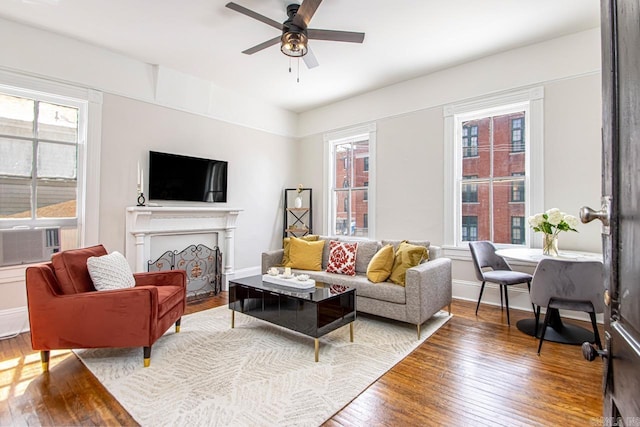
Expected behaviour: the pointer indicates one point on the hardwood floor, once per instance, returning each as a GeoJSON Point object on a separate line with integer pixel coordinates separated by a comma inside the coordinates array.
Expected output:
{"type": "Point", "coordinates": [473, 371]}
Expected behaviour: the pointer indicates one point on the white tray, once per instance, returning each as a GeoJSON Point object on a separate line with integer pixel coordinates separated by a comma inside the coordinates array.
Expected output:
{"type": "Point", "coordinates": [292, 282]}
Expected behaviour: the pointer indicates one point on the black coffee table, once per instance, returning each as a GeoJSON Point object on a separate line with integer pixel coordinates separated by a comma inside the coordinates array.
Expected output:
{"type": "Point", "coordinates": [313, 312]}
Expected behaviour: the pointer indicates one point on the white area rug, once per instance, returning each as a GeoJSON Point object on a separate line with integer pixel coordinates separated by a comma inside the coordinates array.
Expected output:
{"type": "Point", "coordinates": [256, 374]}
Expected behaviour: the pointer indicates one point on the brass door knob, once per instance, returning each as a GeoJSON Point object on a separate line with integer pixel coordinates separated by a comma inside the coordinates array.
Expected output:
{"type": "Point", "coordinates": [607, 298]}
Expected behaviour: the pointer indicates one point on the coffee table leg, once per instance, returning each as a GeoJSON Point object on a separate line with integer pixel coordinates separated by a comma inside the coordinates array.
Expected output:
{"type": "Point", "coordinates": [233, 319]}
{"type": "Point", "coordinates": [317, 347]}
{"type": "Point", "coordinates": [351, 330]}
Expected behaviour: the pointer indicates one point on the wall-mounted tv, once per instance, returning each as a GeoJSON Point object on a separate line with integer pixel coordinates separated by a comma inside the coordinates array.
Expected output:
{"type": "Point", "coordinates": [193, 179]}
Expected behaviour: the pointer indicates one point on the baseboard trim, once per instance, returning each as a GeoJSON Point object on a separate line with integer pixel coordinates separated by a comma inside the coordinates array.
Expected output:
{"type": "Point", "coordinates": [239, 274]}
{"type": "Point", "coordinates": [13, 321]}
{"type": "Point", "coordinates": [518, 298]}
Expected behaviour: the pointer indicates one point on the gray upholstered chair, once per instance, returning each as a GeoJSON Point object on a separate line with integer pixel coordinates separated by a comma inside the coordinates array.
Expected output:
{"type": "Point", "coordinates": [484, 256]}
{"type": "Point", "coordinates": [568, 285]}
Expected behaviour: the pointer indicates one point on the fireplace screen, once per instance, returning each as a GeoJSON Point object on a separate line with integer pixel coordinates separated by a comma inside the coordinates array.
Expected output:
{"type": "Point", "coordinates": [202, 265]}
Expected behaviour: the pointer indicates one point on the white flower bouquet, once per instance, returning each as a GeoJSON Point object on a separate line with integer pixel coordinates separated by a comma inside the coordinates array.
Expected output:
{"type": "Point", "coordinates": [551, 223]}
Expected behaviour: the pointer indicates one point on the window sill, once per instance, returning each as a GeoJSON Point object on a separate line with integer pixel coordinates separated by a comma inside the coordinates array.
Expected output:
{"type": "Point", "coordinates": [462, 253]}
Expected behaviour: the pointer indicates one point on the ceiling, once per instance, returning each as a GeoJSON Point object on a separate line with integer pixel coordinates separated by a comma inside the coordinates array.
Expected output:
{"type": "Point", "coordinates": [404, 38]}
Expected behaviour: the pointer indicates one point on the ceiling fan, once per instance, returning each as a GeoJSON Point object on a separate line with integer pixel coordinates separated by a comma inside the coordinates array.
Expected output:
{"type": "Point", "coordinates": [295, 32]}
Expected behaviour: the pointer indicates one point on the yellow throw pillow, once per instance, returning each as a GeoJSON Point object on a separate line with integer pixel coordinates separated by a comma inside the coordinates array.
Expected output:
{"type": "Point", "coordinates": [285, 245]}
{"type": "Point", "coordinates": [407, 256]}
{"type": "Point", "coordinates": [379, 268]}
{"type": "Point", "coordinates": [305, 255]}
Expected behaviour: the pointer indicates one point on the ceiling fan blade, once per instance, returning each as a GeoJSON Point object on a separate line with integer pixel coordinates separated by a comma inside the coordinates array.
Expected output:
{"type": "Point", "coordinates": [305, 13]}
{"type": "Point", "coordinates": [263, 45]}
{"type": "Point", "coordinates": [254, 15]}
{"type": "Point", "coordinates": [336, 36]}
{"type": "Point", "coordinates": [310, 59]}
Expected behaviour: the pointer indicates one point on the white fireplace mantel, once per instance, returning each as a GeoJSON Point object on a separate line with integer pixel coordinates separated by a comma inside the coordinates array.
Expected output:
{"type": "Point", "coordinates": [144, 222]}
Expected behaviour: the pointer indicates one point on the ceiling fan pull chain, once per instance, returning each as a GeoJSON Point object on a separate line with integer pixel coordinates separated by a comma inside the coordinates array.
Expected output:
{"type": "Point", "coordinates": [298, 69]}
{"type": "Point", "coordinates": [289, 64]}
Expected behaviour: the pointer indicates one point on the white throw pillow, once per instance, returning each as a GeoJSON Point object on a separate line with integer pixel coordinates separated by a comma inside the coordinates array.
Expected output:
{"type": "Point", "coordinates": [110, 272]}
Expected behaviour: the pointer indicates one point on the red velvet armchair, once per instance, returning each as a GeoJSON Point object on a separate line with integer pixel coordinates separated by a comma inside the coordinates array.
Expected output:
{"type": "Point", "coordinates": [66, 312]}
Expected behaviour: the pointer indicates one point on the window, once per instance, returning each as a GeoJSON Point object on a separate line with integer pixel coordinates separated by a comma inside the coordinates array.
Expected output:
{"type": "Point", "coordinates": [517, 188]}
{"type": "Point", "coordinates": [487, 179]}
{"type": "Point", "coordinates": [350, 181]}
{"type": "Point", "coordinates": [517, 230]}
{"type": "Point", "coordinates": [469, 190]}
{"type": "Point", "coordinates": [469, 228]}
{"type": "Point", "coordinates": [38, 159]}
{"type": "Point", "coordinates": [517, 134]}
{"type": "Point", "coordinates": [470, 140]}
{"type": "Point", "coordinates": [49, 137]}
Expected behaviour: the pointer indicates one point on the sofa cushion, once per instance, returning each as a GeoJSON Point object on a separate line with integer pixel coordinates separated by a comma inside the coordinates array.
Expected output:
{"type": "Point", "coordinates": [71, 269]}
{"type": "Point", "coordinates": [384, 291]}
{"type": "Point", "coordinates": [286, 245]}
{"type": "Point", "coordinates": [109, 272]}
{"type": "Point", "coordinates": [379, 268]}
{"type": "Point", "coordinates": [305, 255]}
{"type": "Point", "coordinates": [396, 243]}
{"type": "Point", "coordinates": [342, 258]}
{"type": "Point", "coordinates": [325, 252]}
{"type": "Point", "coordinates": [169, 297]}
{"type": "Point", "coordinates": [406, 256]}
{"type": "Point", "coordinates": [366, 250]}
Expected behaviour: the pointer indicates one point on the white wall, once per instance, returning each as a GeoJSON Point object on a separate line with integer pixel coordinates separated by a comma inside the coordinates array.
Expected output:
{"type": "Point", "coordinates": [410, 152]}
{"type": "Point", "coordinates": [205, 120]}
{"type": "Point", "coordinates": [260, 166]}
{"type": "Point", "coordinates": [151, 107]}
{"type": "Point", "coordinates": [41, 53]}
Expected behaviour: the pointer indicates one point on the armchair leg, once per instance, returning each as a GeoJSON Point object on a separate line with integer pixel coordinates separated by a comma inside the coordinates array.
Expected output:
{"type": "Point", "coordinates": [44, 358]}
{"type": "Point", "coordinates": [418, 325]}
{"type": "Point", "coordinates": [178, 325]}
{"type": "Point", "coordinates": [147, 356]}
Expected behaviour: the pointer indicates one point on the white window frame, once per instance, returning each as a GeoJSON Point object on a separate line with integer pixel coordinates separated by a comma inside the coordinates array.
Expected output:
{"type": "Point", "coordinates": [89, 104]}
{"type": "Point", "coordinates": [529, 100]}
{"type": "Point", "coordinates": [330, 141]}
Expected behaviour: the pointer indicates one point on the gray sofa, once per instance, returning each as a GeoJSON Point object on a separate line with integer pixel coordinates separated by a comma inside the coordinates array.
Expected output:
{"type": "Point", "coordinates": [427, 289]}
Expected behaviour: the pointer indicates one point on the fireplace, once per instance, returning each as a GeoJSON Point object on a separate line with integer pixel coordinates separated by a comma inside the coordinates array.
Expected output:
{"type": "Point", "coordinates": [152, 231]}
{"type": "Point", "coordinates": [202, 264]}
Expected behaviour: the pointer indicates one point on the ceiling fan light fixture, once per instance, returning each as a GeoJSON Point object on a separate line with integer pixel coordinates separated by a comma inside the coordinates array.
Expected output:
{"type": "Point", "coordinates": [294, 44]}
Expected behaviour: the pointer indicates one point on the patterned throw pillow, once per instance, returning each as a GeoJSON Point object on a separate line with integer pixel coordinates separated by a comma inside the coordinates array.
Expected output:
{"type": "Point", "coordinates": [109, 272]}
{"type": "Point", "coordinates": [342, 258]}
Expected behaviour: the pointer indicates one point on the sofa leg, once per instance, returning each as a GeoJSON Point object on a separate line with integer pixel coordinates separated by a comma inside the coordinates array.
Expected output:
{"type": "Point", "coordinates": [449, 306]}
{"type": "Point", "coordinates": [178, 325]}
{"type": "Point", "coordinates": [147, 356]}
{"type": "Point", "coordinates": [418, 325]}
{"type": "Point", "coordinates": [44, 358]}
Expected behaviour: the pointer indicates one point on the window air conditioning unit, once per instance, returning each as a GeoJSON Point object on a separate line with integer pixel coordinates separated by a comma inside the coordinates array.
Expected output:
{"type": "Point", "coordinates": [28, 245]}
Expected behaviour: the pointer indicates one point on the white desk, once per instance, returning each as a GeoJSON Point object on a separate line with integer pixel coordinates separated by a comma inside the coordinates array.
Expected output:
{"type": "Point", "coordinates": [557, 331]}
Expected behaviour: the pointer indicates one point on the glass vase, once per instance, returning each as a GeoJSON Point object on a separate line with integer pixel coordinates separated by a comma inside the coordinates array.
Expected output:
{"type": "Point", "coordinates": [550, 245]}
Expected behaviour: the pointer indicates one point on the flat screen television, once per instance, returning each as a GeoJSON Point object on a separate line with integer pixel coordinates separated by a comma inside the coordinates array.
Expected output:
{"type": "Point", "coordinates": [193, 179]}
